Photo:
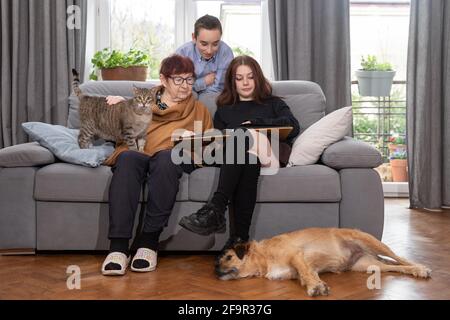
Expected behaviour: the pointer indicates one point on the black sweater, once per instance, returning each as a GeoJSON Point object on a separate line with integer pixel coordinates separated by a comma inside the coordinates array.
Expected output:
{"type": "Point", "coordinates": [273, 112]}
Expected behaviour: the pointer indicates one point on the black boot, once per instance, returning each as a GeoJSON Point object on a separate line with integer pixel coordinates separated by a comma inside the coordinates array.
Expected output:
{"type": "Point", "coordinates": [207, 220]}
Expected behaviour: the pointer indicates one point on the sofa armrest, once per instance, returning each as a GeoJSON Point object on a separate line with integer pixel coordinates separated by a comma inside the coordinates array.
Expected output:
{"type": "Point", "coordinates": [18, 208]}
{"type": "Point", "coordinates": [25, 155]}
{"type": "Point", "coordinates": [351, 153]}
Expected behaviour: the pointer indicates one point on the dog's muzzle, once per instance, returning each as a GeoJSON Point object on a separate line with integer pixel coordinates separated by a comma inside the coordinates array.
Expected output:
{"type": "Point", "coordinates": [225, 274]}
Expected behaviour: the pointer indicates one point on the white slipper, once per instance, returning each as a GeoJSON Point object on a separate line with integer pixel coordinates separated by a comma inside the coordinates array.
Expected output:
{"type": "Point", "coordinates": [148, 255]}
{"type": "Point", "coordinates": [119, 258]}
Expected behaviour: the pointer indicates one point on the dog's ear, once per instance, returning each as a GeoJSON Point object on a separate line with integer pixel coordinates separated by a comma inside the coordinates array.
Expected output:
{"type": "Point", "coordinates": [241, 250]}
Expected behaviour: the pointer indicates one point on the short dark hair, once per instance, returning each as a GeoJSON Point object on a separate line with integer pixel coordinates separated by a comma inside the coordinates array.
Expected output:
{"type": "Point", "coordinates": [176, 64]}
{"type": "Point", "coordinates": [207, 22]}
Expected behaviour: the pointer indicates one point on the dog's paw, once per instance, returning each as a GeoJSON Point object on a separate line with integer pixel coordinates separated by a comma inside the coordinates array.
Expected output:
{"type": "Point", "coordinates": [318, 289]}
{"type": "Point", "coordinates": [421, 271]}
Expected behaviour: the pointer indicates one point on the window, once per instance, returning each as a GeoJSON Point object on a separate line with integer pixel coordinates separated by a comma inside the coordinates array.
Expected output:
{"type": "Point", "coordinates": [241, 22]}
{"type": "Point", "coordinates": [159, 27]}
{"type": "Point", "coordinates": [380, 28]}
{"type": "Point", "coordinates": [148, 25]}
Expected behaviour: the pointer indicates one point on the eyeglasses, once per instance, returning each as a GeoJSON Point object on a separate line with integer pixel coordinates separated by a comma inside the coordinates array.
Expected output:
{"type": "Point", "coordinates": [179, 80]}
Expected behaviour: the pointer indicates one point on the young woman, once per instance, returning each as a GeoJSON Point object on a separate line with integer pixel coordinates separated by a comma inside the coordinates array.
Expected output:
{"type": "Point", "coordinates": [246, 100]}
{"type": "Point", "coordinates": [174, 108]}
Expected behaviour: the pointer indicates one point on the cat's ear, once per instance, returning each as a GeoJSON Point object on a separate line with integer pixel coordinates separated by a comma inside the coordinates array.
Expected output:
{"type": "Point", "coordinates": [135, 90]}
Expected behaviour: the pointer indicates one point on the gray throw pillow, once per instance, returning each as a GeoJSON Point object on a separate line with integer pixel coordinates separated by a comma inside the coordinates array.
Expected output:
{"type": "Point", "coordinates": [63, 143]}
{"type": "Point", "coordinates": [25, 155]}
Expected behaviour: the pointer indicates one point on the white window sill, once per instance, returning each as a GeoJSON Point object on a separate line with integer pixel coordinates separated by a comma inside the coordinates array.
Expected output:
{"type": "Point", "coordinates": [395, 189]}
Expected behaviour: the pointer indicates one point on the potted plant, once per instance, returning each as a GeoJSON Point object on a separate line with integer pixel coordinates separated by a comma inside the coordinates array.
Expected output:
{"type": "Point", "coordinates": [396, 144]}
{"type": "Point", "coordinates": [399, 166]}
{"type": "Point", "coordinates": [374, 78]}
{"type": "Point", "coordinates": [118, 65]}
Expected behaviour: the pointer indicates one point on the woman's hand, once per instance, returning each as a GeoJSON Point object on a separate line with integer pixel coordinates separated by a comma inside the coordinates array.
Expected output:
{"type": "Point", "coordinates": [112, 100]}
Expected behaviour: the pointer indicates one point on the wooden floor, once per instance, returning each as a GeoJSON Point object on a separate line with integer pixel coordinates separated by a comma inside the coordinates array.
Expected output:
{"type": "Point", "coordinates": [420, 236]}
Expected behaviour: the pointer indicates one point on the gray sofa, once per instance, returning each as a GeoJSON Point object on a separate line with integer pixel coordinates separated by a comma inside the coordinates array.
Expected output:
{"type": "Point", "coordinates": [46, 204]}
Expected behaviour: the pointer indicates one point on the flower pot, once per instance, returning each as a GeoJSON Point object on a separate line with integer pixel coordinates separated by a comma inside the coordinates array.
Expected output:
{"type": "Point", "coordinates": [399, 170]}
{"type": "Point", "coordinates": [375, 83]}
{"type": "Point", "coordinates": [130, 73]}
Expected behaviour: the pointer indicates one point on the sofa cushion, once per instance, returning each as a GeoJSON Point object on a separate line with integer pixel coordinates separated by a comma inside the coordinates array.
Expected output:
{"type": "Point", "coordinates": [351, 153]}
{"type": "Point", "coordinates": [63, 143]}
{"type": "Point", "coordinates": [305, 99]}
{"type": "Point", "coordinates": [68, 182]}
{"type": "Point", "coordinates": [25, 155]}
{"type": "Point", "coordinates": [314, 183]}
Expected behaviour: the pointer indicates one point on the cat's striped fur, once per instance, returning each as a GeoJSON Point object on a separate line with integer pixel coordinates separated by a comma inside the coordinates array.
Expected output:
{"type": "Point", "coordinates": [125, 122]}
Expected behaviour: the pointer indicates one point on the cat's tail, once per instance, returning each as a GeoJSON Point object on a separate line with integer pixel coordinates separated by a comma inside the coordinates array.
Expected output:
{"type": "Point", "coordinates": [76, 83]}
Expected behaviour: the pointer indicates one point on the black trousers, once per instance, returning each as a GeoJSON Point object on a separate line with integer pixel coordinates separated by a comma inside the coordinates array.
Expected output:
{"type": "Point", "coordinates": [131, 170]}
{"type": "Point", "coordinates": [238, 182]}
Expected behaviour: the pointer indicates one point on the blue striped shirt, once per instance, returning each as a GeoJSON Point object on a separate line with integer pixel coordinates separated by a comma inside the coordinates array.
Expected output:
{"type": "Point", "coordinates": [217, 64]}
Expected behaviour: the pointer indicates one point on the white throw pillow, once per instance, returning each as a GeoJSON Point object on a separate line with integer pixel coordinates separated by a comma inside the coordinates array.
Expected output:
{"type": "Point", "coordinates": [310, 145]}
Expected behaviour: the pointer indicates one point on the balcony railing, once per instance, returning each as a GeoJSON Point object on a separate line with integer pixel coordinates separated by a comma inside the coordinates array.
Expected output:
{"type": "Point", "coordinates": [376, 119]}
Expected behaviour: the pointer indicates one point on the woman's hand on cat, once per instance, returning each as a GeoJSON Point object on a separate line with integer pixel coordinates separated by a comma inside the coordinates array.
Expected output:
{"type": "Point", "coordinates": [112, 100]}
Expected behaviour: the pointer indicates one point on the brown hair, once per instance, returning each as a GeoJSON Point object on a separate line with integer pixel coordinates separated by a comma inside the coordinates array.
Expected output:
{"type": "Point", "coordinates": [176, 64]}
{"type": "Point", "coordinates": [207, 22]}
{"type": "Point", "coordinates": [229, 95]}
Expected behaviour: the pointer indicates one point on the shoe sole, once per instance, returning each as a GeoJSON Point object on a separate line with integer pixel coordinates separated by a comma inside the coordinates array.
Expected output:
{"type": "Point", "coordinates": [201, 231]}
{"type": "Point", "coordinates": [113, 272]}
{"type": "Point", "coordinates": [149, 269]}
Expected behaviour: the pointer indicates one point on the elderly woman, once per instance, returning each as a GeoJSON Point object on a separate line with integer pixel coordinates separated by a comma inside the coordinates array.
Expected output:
{"type": "Point", "coordinates": [175, 108]}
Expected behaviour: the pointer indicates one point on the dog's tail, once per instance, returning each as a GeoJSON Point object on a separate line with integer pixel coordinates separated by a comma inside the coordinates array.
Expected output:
{"type": "Point", "coordinates": [375, 247]}
{"type": "Point", "coordinates": [76, 83]}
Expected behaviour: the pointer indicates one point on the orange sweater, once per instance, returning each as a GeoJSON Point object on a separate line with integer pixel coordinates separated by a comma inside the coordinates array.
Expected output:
{"type": "Point", "coordinates": [165, 122]}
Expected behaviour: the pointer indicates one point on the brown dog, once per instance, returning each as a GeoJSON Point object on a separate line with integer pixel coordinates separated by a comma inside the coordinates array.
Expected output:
{"type": "Point", "coordinates": [306, 253]}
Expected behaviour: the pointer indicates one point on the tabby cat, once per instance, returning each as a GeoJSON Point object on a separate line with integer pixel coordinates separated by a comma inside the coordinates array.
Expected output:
{"type": "Point", "coordinates": [125, 122]}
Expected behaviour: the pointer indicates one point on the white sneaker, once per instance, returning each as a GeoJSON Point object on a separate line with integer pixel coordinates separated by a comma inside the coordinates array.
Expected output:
{"type": "Point", "coordinates": [148, 255]}
{"type": "Point", "coordinates": [119, 258]}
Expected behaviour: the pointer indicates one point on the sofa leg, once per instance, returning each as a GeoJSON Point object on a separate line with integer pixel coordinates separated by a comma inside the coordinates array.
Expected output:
{"type": "Point", "coordinates": [17, 252]}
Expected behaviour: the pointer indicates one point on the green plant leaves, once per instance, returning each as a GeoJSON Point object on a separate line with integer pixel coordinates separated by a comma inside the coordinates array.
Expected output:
{"type": "Point", "coordinates": [108, 58]}
{"type": "Point", "coordinates": [398, 155]}
{"type": "Point", "coordinates": [371, 64]}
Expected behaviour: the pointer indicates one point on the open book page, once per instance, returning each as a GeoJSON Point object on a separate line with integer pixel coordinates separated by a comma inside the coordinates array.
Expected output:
{"type": "Point", "coordinates": [282, 132]}
{"type": "Point", "coordinates": [208, 136]}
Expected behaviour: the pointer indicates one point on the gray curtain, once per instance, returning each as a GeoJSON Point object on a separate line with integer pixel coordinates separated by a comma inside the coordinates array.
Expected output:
{"type": "Point", "coordinates": [37, 53]}
{"type": "Point", "coordinates": [311, 41]}
{"type": "Point", "coordinates": [428, 104]}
